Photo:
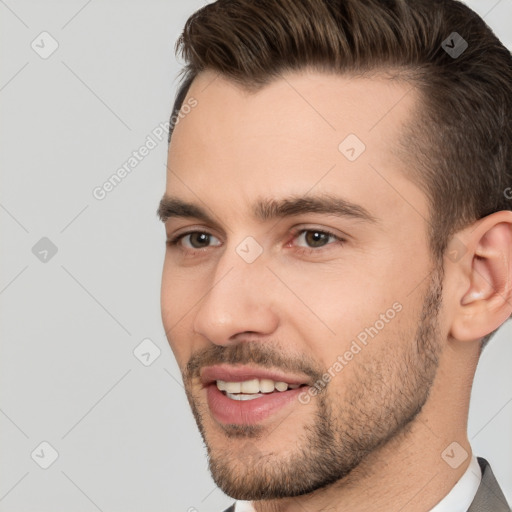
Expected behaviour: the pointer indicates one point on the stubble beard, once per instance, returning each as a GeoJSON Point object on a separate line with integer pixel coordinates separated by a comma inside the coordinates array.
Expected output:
{"type": "Point", "coordinates": [383, 397]}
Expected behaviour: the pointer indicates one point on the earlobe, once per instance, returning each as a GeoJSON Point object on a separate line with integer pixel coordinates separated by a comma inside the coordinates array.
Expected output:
{"type": "Point", "coordinates": [487, 302]}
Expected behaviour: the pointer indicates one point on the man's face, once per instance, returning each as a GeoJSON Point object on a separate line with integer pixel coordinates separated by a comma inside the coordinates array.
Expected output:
{"type": "Point", "coordinates": [344, 300]}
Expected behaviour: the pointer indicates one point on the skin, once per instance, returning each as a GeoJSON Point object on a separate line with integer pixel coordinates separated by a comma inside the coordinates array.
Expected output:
{"type": "Point", "coordinates": [373, 439]}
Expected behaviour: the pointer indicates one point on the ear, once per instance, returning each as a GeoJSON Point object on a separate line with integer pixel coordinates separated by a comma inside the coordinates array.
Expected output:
{"type": "Point", "coordinates": [484, 297]}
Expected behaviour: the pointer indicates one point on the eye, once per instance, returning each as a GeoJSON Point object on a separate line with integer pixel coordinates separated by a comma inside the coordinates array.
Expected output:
{"type": "Point", "coordinates": [197, 240]}
{"type": "Point", "coordinates": [315, 239]}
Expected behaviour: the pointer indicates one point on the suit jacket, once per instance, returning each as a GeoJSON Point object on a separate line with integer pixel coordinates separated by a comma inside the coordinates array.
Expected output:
{"type": "Point", "coordinates": [489, 496]}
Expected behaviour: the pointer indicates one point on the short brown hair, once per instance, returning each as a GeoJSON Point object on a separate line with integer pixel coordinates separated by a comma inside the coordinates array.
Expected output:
{"type": "Point", "coordinates": [459, 146]}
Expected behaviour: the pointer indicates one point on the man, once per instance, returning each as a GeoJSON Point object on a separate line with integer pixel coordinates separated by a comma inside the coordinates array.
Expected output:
{"type": "Point", "coordinates": [339, 248]}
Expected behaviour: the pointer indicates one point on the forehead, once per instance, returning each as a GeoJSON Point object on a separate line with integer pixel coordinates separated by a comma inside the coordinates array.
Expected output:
{"type": "Point", "coordinates": [304, 132]}
{"type": "Point", "coordinates": [326, 103]}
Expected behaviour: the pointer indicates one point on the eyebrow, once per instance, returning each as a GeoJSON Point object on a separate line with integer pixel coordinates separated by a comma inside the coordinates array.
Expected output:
{"type": "Point", "coordinates": [265, 210]}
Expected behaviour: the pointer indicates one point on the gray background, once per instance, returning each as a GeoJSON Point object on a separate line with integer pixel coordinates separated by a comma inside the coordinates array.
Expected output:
{"type": "Point", "coordinates": [125, 437]}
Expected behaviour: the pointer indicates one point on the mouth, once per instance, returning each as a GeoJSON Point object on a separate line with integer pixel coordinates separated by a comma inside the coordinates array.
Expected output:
{"type": "Point", "coordinates": [254, 388]}
{"type": "Point", "coordinates": [245, 395]}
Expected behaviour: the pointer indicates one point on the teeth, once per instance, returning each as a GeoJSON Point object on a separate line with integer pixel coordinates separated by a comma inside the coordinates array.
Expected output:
{"type": "Point", "coordinates": [233, 387]}
{"type": "Point", "coordinates": [250, 386]}
{"type": "Point", "coordinates": [266, 385]}
{"type": "Point", "coordinates": [281, 386]}
{"type": "Point", "coordinates": [253, 387]}
{"type": "Point", "coordinates": [242, 397]}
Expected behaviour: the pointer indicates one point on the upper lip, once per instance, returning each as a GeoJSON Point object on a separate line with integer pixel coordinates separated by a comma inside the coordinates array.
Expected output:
{"type": "Point", "coordinates": [241, 373]}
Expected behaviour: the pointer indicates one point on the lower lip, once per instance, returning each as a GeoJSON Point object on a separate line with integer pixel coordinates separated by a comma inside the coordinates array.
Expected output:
{"type": "Point", "coordinates": [247, 412]}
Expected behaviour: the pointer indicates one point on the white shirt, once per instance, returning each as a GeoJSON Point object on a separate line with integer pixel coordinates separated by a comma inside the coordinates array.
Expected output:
{"type": "Point", "coordinates": [457, 500]}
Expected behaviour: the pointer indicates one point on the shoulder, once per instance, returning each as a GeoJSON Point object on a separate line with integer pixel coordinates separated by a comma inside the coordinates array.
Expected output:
{"type": "Point", "coordinates": [489, 495]}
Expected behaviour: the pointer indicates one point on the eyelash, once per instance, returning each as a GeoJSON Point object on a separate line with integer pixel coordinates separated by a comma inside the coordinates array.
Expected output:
{"type": "Point", "coordinates": [174, 242]}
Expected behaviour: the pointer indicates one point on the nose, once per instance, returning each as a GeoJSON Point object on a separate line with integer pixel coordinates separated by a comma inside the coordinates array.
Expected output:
{"type": "Point", "coordinates": [239, 300]}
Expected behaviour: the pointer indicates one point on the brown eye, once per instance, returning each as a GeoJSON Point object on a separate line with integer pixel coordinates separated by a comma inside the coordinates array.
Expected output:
{"type": "Point", "coordinates": [199, 240]}
{"type": "Point", "coordinates": [316, 238]}
{"type": "Point", "coordinates": [195, 240]}
{"type": "Point", "coordinates": [315, 242]}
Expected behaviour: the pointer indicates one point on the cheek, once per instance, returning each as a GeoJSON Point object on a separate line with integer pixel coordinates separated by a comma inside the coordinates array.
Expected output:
{"type": "Point", "coordinates": [335, 295]}
{"type": "Point", "coordinates": [179, 292]}
{"type": "Point", "coordinates": [333, 307]}
{"type": "Point", "coordinates": [177, 299]}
